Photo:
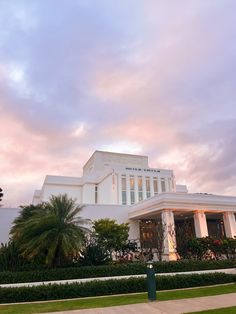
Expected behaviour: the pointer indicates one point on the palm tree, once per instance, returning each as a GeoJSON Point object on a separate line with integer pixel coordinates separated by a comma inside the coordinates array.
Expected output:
{"type": "Point", "coordinates": [21, 221]}
{"type": "Point", "coordinates": [52, 231]}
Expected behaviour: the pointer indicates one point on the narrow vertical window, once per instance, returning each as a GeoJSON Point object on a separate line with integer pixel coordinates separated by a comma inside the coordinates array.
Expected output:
{"type": "Point", "coordinates": [163, 185]}
{"type": "Point", "coordinates": [96, 193]}
{"type": "Point", "coordinates": [123, 189]}
{"type": "Point", "coordinates": [155, 185]}
{"type": "Point", "coordinates": [148, 188]}
{"type": "Point", "coordinates": [140, 189]}
{"type": "Point", "coordinates": [132, 193]}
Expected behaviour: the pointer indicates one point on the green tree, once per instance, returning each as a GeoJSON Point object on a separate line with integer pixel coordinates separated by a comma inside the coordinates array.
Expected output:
{"type": "Point", "coordinates": [93, 253]}
{"type": "Point", "coordinates": [51, 232]}
{"type": "Point", "coordinates": [111, 235]}
{"type": "Point", "coordinates": [20, 222]}
{"type": "Point", "coordinates": [1, 195]}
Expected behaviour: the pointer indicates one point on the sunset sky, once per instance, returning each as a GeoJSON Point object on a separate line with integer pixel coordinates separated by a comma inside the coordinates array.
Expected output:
{"type": "Point", "coordinates": [136, 76]}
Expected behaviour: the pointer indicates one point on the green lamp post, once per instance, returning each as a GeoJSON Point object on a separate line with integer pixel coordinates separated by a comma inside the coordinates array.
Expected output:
{"type": "Point", "coordinates": [151, 282]}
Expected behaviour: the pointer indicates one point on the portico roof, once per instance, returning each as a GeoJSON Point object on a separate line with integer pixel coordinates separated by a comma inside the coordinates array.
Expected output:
{"type": "Point", "coordinates": [182, 202]}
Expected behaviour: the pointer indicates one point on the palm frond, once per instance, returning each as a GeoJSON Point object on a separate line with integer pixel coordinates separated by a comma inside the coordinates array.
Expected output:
{"type": "Point", "coordinates": [53, 229]}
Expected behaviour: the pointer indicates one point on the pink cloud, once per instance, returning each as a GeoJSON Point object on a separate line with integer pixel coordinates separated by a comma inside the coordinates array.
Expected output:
{"type": "Point", "coordinates": [152, 78]}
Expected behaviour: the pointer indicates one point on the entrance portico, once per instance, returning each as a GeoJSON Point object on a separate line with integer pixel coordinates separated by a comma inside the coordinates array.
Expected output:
{"type": "Point", "coordinates": [210, 215]}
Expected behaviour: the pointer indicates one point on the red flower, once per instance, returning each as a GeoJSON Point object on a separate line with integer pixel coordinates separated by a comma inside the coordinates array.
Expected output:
{"type": "Point", "coordinates": [217, 242]}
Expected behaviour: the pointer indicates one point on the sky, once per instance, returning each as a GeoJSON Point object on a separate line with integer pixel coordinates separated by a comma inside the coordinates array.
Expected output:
{"type": "Point", "coordinates": [147, 77]}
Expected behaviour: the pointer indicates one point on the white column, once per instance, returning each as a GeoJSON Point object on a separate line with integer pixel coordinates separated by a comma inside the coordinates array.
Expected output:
{"type": "Point", "coordinates": [136, 188]}
{"type": "Point", "coordinates": [200, 224]}
{"type": "Point", "coordinates": [119, 188]}
{"type": "Point", "coordinates": [144, 187]}
{"type": "Point", "coordinates": [229, 224]}
{"type": "Point", "coordinates": [134, 231]}
{"type": "Point", "coordinates": [168, 222]}
{"type": "Point", "coordinates": [159, 184]}
{"type": "Point", "coordinates": [151, 186]}
{"type": "Point", "coordinates": [128, 189]}
{"type": "Point", "coordinates": [174, 183]}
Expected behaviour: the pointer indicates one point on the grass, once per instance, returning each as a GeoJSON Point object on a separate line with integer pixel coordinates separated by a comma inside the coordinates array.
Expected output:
{"type": "Point", "coordinates": [95, 302]}
{"type": "Point", "coordinates": [226, 310]}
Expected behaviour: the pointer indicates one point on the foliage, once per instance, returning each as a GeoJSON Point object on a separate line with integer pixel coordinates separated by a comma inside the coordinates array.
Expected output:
{"type": "Point", "coordinates": [111, 270]}
{"type": "Point", "coordinates": [110, 235]}
{"type": "Point", "coordinates": [197, 248]}
{"type": "Point", "coordinates": [208, 248]}
{"type": "Point", "coordinates": [109, 287]}
{"type": "Point", "coordinates": [1, 195]}
{"type": "Point", "coordinates": [107, 237]}
{"type": "Point", "coordinates": [93, 254]}
{"type": "Point", "coordinates": [51, 233]}
{"type": "Point", "coordinates": [183, 236]}
{"type": "Point", "coordinates": [130, 298]}
{"type": "Point", "coordinates": [229, 248]}
{"type": "Point", "coordinates": [10, 258]}
{"type": "Point", "coordinates": [20, 226]}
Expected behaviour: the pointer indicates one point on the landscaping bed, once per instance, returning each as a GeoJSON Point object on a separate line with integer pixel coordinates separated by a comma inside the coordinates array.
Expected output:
{"type": "Point", "coordinates": [109, 287]}
{"type": "Point", "coordinates": [110, 270]}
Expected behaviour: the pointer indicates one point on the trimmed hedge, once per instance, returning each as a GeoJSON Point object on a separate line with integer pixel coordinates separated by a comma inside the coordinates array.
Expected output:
{"type": "Point", "coordinates": [110, 270]}
{"type": "Point", "coordinates": [109, 287]}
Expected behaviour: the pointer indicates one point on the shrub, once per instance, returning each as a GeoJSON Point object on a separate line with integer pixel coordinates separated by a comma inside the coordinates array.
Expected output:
{"type": "Point", "coordinates": [109, 287]}
{"type": "Point", "coordinates": [10, 258]}
{"type": "Point", "coordinates": [72, 273]}
{"type": "Point", "coordinates": [229, 248]}
{"type": "Point", "coordinates": [93, 254]}
{"type": "Point", "coordinates": [197, 248]}
{"type": "Point", "coordinates": [207, 248]}
{"type": "Point", "coordinates": [111, 270]}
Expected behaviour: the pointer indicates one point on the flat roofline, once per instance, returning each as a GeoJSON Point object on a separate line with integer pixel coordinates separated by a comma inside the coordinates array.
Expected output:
{"type": "Point", "coordinates": [184, 202]}
{"type": "Point", "coordinates": [58, 176]}
{"type": "Point", "coordinates": [113, 153]}
{"type": "Point", "coordinates": [68, 180]}
{"type": "Point", "coordinates": [103, 151]}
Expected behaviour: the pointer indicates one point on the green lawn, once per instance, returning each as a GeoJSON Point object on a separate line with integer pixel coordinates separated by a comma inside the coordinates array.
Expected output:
{"type": "Point", "coordinates": [226, 310]}
{"type": "Point", "coordinates": [114, 300]}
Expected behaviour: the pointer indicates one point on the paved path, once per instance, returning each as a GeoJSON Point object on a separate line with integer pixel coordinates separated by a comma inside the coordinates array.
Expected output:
{"type": "Point", "coordinates": [165, 307]}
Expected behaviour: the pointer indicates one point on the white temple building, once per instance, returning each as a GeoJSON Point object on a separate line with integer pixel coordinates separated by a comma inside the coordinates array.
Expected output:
{"type": "Point", "coordinates": [125, 188]}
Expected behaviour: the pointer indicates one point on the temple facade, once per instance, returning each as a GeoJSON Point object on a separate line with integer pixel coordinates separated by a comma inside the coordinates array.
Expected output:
{"type": "Point", "coordinates": [125, 188]}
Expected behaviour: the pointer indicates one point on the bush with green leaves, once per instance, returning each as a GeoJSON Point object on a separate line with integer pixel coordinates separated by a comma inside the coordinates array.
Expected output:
{"type": "Point", "coordinates": [197, 247]}
{"type": "Point", "coordinates": [111, 270]}
{"type": "Point", "coordinates": [109, 287]}
{"type": "Point", "coordinates": [107, 236]}
{"type": "Point", "coordinates": [93, 255]}
{"type": "Point", "coordinates": [110, 235]}
{"type": "Point", "coordinates": [229, 248]}
{"type": "Point", "coordinates": [10, 257]}
{"type": "Point", "coordinates": [208, 248]}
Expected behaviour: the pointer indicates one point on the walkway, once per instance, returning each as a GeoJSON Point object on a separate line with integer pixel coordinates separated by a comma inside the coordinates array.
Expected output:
{"type": "Point", "coordinates": [165, 307]}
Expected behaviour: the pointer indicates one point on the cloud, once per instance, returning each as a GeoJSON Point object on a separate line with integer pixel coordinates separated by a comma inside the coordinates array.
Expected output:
{"type": "Point", "coordinates": [148, 77]}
